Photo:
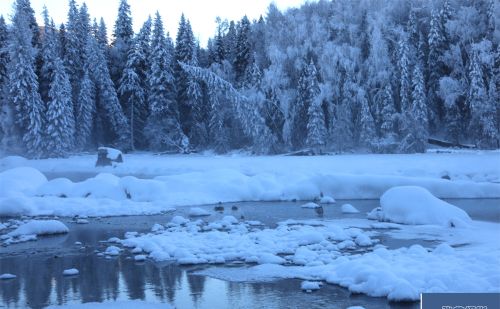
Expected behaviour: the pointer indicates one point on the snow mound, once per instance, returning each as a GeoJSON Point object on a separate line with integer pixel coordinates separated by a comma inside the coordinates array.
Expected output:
{"type": "Point", "coordinates": [7, 276]}
{"type": "Point", "coordinates": [40, 227]}
{"type": "Point", "coordinates": [198, 212]}
{"type": "Point", "coordinates": [416, 205]}
{"type": "Point", "coordinates": [71, 272]}
{"type": "Point", "coordinates": [112, 251]}
{"type": "Point", "coordinates": [310, 205]}
{"type": "Point", "coordinates": [349, 209]}
{"type": "Point", "coordinates": [21, 180]}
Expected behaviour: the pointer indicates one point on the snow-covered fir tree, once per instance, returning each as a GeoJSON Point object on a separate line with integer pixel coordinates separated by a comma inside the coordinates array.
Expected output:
{"type": "Point", "coordinates": [85, 111]}
{"type": "Point", "coordinates": [59, 120]}
{"type": "Point", "coordinates": [163, 129]}
{"type": "Point", "coordinates": [122, 41]}
{"type": "Point", "coordinates": [23, 93]}
{"type": "Point", "coordinates": [243, 52]}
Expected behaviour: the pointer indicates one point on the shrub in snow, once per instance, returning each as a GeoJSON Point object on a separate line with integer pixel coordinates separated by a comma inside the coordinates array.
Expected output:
{"type": "Point", "coordinates": [40, 227]}
{"type": "Point", "coordinates": [310, 205]}
{"type": "Point", "coordinates": [106, 156]}
{"type": "Point", "coordinates": [71, 272]}
{"type": "Point", "coordinates": [349, 209]}
{"type": "Point", "coordinates": [416, 205]}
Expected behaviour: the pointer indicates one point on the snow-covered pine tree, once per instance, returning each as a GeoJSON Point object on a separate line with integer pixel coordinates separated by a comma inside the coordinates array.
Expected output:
{"type": "Point", "coordinates": [60, 122]}
{"type": "Point", "coordinates": [4, 56]}
{"type": "Point", "coordinates": [307, 92]}
{"type": "Point", "coordinates": [404, 74]}
{"type": "Point", "coordinates": [163, 129]}
{"type": "Point", "coordinates": [132, 95]}
{"type": "Point", "coordinates": [416, 120]}
{"type": "Point", "coordinates": [316, 129]}
{"type": "Point", "coordinates": [219, 139]}
{"type": "Point", "coordinates": [245, 109]}
{"type": "Point", "coordinates": [49, 54]}
{"type": "Point", "coordinates": [243, 51]}
{"type": "Point", "coordinates": [106, 96]}
{"type": "Point", "coordinates": [101, 35]}
{"type": "Point", "coordinates": [122, 42]}
{"type": "Point", "coordinates": [273, 114]}
{"type": "Point", "coordinates": [73, 50]}
{"type": "Point", "coordinates": [23, 86]}
{"type": "Point", "coordinates": [85, 112]}
{"type": "Point", "coordinates": [367, 132]}
{"type": "Point", "coordinates": [185, 52]}
{"type": "Point", "coordinates": [61, 37]}
{"type": "Point", "coordinates": [482, 123]}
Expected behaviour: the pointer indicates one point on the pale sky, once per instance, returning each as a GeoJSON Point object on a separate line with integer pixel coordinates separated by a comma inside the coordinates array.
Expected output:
{"type": "Point", "coordinates": [201, 13]}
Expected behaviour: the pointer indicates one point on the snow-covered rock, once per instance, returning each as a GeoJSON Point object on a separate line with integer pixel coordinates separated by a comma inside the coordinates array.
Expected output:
{"type": "Point", "coordinates": [310, 205]}
{"type": "Point", "coordinates": [416, 205]}
{"type": "Point", "coordinates": [108, 155]}
{"type": "Point", "coordinates": [40, 227]}
{"type": "Point", "coordinates": [71, 272]}
{"type": "Point", "coordinates": [198, 212]}
{"type": "Point", "coordinates": [140, 258]}
{"type": "Point", "coordinates": [179, 220]}
{"type": "Point", "coordinates": [7, 276]}
{"type": "Point", "coordinates": [349, 209]}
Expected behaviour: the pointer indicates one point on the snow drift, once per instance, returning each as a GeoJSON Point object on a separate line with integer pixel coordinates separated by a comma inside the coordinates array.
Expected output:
{"type": "Point", "coordinates": [416, 205]}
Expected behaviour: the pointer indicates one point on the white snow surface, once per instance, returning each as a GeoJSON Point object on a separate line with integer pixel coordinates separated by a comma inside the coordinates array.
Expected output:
{"type": "Point", "coordinates": [416, 205]}
{"type": "Point", "coordinates": [343, 251]}
{"type": "Point", "coordinates": [129, 304]}
{"type": "Point", "coordinates": [39, 227]}
{"type": "Point", "coordinates": [198, 212]}
{"type": "Point", "coordinates": [181, 180]}
{"type": "Point", "coordinates": [310, 205]}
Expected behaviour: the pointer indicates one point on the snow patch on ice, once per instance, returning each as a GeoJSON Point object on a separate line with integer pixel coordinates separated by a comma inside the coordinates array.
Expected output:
{"type": "Point", "coordinates": [349, 209]}
{"type": "Point", "coordinates": [198, 212]}
{"type": "Point", "coordinates": [71, 272]}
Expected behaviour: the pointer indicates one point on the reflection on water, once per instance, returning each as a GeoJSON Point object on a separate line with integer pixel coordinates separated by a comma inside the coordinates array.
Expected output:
{"type": "Point", "coordinates": [40, 282]}
{"type": "Point", "coordinates": [39, 266]}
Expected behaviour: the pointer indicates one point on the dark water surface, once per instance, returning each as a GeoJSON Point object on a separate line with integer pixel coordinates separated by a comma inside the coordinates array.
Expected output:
{"type": "Point", "coordinates": [39, 265]}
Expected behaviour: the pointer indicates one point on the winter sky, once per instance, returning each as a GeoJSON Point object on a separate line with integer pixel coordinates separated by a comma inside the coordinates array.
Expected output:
{"type": "Point", "coordinates": [201, 13]}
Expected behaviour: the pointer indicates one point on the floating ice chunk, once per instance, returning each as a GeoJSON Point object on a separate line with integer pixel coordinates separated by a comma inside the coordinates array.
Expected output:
{"type": "Point", "coordinates": [309, 286]}
{"type": "Point", "coordinates": [416, 205]}
{"type": "Point", "coordinates": [78, 243]}
{"type": "Point", "coordinates": [363, 240]}
{"type": "Point", "coordinates": [40, 227]}
{"type": "Point", "coordinates": [7, 276]}
{"type": "Point", "coordinates": [157, 227]}
{"type": "Point", "coordinates": [114, 240]}
{"type": "Point", "coordinates": [137, 250]}
{"type": "Point", "coordinates": [310, 205]}
{"type": "Point", "coordinates": [198, 212]}
{"type": "Point", "coordinates": [82, 221]}
{"type": "Point", "coordinates": [112, 250]}
{"type": "Point", "coordinates": [71, 272]}
{"type": "Point", "coordinates": [179, 220]}
{"type": "Point", "coordinates": [140, 258]}
{"type": "Point", "coordinates": [349, 209]}
{"type": "Point", "coordinates": [327, 200]}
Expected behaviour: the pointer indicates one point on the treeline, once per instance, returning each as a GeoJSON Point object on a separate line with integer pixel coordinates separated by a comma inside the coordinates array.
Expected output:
{"type": "Point", "coordinates": [328, 76]}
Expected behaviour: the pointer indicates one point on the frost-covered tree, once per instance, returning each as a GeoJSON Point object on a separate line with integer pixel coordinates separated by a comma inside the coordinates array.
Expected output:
{"type": "Point", "coordinates": [163, 129]}
{"type": "Point", "coordinates": [404, 72]}
{"type": "Point", "coordinates": [60, 122]}
{"type": "Point", "coordinates": [85, 111]}
{"type": "Point", "coordinates": [483, 112]}
{"type": "Point", "coordinates": [416, 119]}
{"type": "Point", "coordinates": [316, 129]}
{"type": "Point", "coordinates": [23, 86]}
{"type": "Point", "coordinates": [307, 93]}
{"type": "Point", "coordinates": [243, 51]}
{"type": "Point", "coordinates": [131, 93]}
{"type": "Point", "coordinates": [122, 41]}
{"type": "Point", "coordinates": [116, 122]}
{"type": "Point", "coordinates": [367, 124]}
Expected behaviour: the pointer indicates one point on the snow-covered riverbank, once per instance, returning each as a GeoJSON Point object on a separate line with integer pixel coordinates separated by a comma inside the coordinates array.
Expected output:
{"type": "Point", "coordinates": [181, 180]}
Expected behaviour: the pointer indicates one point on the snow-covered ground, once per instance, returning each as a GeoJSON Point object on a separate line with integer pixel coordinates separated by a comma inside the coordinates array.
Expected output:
{"type": "Point", "coordinates": [181, 180]}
